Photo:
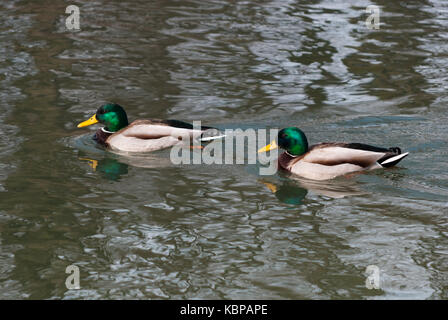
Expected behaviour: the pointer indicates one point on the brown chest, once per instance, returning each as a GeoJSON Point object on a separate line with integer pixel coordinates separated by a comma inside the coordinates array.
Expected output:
{"type": "Point", "coordinates": [284, 161]}
{"type": "Point", "coordinates": [101, 137]}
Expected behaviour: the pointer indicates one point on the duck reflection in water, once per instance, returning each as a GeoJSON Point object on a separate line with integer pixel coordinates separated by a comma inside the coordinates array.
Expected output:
{"type": "Point", "coordinates": [293, 190]}
{"type": "Point", "coordinates": [110, 168]}
{"type": "Point", "coordinates": [114, 166]}
{"type": "Point", "coordinates": [287, 192]}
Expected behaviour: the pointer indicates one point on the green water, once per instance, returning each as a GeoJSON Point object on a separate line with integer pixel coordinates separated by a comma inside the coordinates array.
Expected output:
{"type": "Point", "coordinates": [143, 228]}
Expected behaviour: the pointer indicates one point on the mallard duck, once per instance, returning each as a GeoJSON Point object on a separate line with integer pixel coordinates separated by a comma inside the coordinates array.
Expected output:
{"type": "Point", "coordinates": [325, 161]}
{"type": "Point", "coordinates": [142, 135]}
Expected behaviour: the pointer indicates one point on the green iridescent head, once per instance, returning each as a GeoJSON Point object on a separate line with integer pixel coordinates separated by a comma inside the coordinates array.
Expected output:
{"type": "Point", "coordinates": [293, 140]}
{"type": "Point", "coordinates": [112, 115]}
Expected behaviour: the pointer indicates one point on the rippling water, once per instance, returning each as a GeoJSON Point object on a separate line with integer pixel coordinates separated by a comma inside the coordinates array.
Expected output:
{"type": "Point", "coordinates": [143, 228]}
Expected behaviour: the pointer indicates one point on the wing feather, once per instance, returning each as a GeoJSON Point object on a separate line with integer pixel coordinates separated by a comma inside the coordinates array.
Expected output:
{"type": "Point", "coordinates": [332, 154]}
{"type": "Point", "coordinates": [143, 129]}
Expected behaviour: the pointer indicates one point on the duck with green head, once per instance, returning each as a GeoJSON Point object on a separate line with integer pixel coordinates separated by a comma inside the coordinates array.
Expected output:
{"type": "Point", "coordinates": [328, 160]}
{"type": "Point", "coordinates": [143, 135]}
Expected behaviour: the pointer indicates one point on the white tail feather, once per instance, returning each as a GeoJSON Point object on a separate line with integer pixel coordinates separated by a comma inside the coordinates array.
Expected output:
{"type": "Point", "coordinates": [212, 138]}
{"type": "Point", "coordinates": [398, 157]}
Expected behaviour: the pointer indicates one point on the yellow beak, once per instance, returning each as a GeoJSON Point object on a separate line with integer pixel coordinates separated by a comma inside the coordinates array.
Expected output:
{"type": "Point", "coordinates": [270, 146]}
{"type": "Point", "coordinates": [86, 123]}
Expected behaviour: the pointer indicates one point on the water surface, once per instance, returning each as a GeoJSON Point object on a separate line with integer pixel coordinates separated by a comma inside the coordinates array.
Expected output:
{"type": "Point", "coordinates": [146, 229]}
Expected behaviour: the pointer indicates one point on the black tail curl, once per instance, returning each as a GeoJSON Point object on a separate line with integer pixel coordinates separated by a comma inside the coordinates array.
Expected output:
{"type": "Point", "coordinates": [395, 150]}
